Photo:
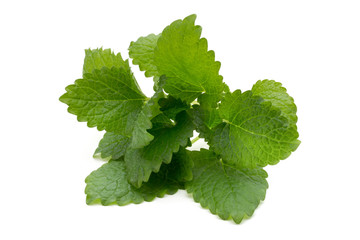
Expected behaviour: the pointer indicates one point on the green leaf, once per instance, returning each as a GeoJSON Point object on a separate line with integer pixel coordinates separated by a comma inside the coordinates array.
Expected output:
{"type": "Point", "coordinates": [206, 116]}
{"type": "Point", "coordinates": [226, 191]}
{"type": "Point", "coordinates": [142, 161]}
{"type": "Point", "coordinates": [273, 91]}
{"type": "Point", "coordinates": [253, 133]}
{"type": "Point", "coordinates": [115, 145]}
{"type": "Point", "coordinates": [171, 106]}
{"type": "Point", "coordinates": [142, 53]}
{"type": "Point", "coordinates": [202, 119]}
{"type": "Point", "coordinates": [108, 185]}
{"type": "Point", "coordinates": [184, 58]}
{"type": "Point", "coordinates": [108, 98]}
{"type": "Point", "coordinates": [181, 166]}
{"type": "Point", "coordinates": [140, 135]}
{"type": "Point", "coordinates": [112, 145]}
{"type": "Point", "coordinates": [161, 121]}
{"type": "Point", "coordinates": [209, 111]}
{"type": "Point", "coordinates": [99, 58]}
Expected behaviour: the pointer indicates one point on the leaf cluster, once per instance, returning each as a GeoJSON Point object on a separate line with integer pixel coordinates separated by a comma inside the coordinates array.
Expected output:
{"type": "Point", "coordinates": [146, 138]}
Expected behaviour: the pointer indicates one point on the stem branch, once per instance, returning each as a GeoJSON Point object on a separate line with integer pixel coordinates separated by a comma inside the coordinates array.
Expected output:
{"type": "Point", "coordinates": [195, 139]}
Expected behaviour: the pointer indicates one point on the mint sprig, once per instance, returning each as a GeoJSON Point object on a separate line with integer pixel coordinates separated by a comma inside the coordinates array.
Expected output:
{"type": "Point", "coordinates": [146, 138]}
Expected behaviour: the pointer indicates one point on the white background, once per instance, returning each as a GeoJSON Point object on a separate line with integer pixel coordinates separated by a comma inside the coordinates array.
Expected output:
{"type": "Point", "coordinates": [312, 47]}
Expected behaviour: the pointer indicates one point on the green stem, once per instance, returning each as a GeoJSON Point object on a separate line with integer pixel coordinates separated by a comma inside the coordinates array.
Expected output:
{"type": "Point", "coordinates": [195, 139]}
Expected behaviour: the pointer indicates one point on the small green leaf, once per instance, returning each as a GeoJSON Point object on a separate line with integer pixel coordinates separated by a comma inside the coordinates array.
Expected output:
{"type": "Point", "coordinates": [274, 92]}
{"type": "Point", "coordinates": [142, 161]}
{"type": "Point", "coordinates": [112, 145]}
{"type": "Point", "coordinates": [142, 53]}
{"type": "Point", "coordinates": [181, 165]}
{"type": "Point", "coordinates": [106, 98]}
{"type": "Point", "coordinates": [161, 121]}
{"type": "Point", "coordinates": [202, 119]}
{"type": "Point", "coordinates": [99, 58]}
{"type": "Point", "coordinates": [108, 185]}
{"type": "Point", "coordinates": [140, 135]}
{"type": "Point", "coordinates": [171, 106]}
{"type": "Point", "coordinates": [226, 191]}
{"type": "Point", "coordinates": [184, 58]}
{"type": "Point", "coordinates": [253, 133]}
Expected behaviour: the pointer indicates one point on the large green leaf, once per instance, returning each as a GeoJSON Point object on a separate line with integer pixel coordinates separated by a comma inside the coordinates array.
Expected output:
{"type": "Point", "coordinates": [253, 133]}
{"type": "Point", "coordinates": [108, 98]}
{"type": "Point", "coordinates": [228, 192]}
{"type": "Point", "coordinates": [185, 60]}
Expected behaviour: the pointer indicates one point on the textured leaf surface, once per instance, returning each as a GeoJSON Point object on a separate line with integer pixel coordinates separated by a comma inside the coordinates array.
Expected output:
{"type": "Point", "coordinates": [112, 145]}
{"type": "Point", "coordinates": [140, 135]}
{"type": "Point", "coordinates": [209, 110]}
{"type": "Point", "coordinates": [99, 58]}
{"type": "Point", "coordinates": [274, 92]}
{"type": "Point", "coordinates": [142, 53]}
{"type": "Point", "coordinates": [141, 162]}
{"type": "Point", "coordinates": [202, 119]}
{"type": "Point", "coordinates": [181, 166]}
{"type": "Point", "coordinates": [161, 121]}
{"type": "Point", "coordinates": [171, 106]}
{"type": "Point", "coordinates": [109, 185]}
{"type": "Point", "coordinates": [108, 98]}
{"type": "Point", "coordinates": [226, 191]}
{"type": "Point", "coordinates": [253, 133]}
{"type": "Point", "coordinates": [185, 60]}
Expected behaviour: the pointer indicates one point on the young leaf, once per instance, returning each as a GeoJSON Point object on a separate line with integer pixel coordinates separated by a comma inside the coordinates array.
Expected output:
{"type": "Point", "coordinates": [184, 58]}
{"type": "Point", "coordinates": [108, 185]}
{"type": "Point", "coordinates": [273, 91]}
{"type": "Point", "coordinates": [142, 161]}
{"type": "Point", "coordinates": [140, 135]}
{"type": "Point", "coordinates": [142, 53]}
{"type": "Point", "coordinates": [202, 119]}
{"type": "Point", "coordinates": [253, 133]}
{"type": "Point", "coordinates": [181, 166]}
{"type": "Point", "coordinates": [161, 121]}
{"type": "Point", "coordinates": [112, 145]}
{"type": "Point", "coordinates": [171, 106]}
{"type": "Point", "coordinates": [228, 192]}
{"type": "Point", "coordinates": [99, 58]}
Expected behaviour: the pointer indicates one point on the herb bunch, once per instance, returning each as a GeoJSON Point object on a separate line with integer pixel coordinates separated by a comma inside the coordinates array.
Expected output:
{"type": "Point", "coordinates": [146, 139]}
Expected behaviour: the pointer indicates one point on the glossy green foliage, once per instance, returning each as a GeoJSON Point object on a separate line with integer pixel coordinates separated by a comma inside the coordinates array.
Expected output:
{"type": "Point", "coordinates": [146, 139]}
